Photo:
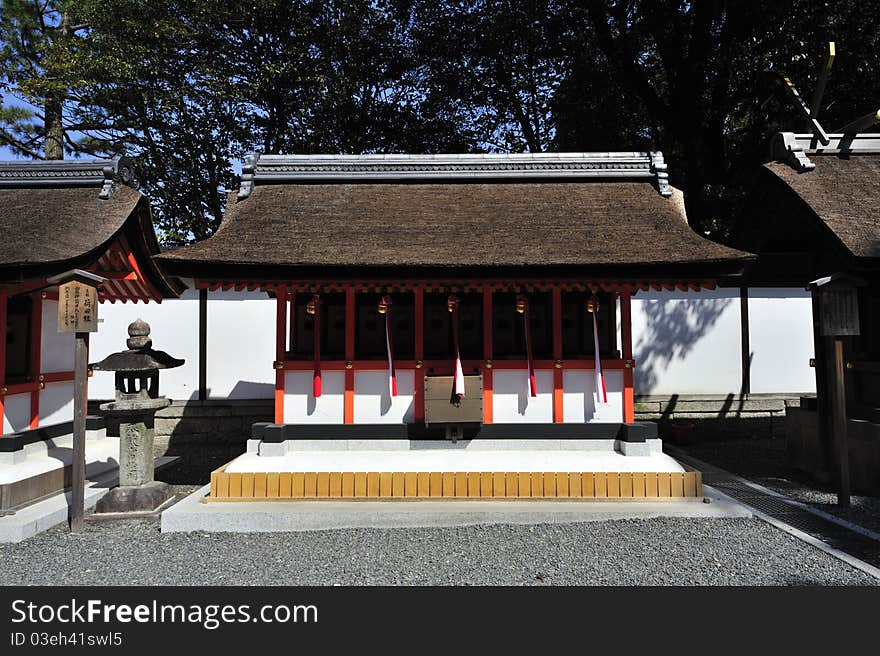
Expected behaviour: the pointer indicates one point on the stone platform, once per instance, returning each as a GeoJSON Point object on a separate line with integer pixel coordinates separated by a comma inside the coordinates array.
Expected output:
{"type": "Point", "coordinates": [465, 470]}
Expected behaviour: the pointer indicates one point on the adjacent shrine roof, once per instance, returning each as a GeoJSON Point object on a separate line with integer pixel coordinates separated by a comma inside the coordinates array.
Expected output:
{"type": "Point", "coordinates": [839, 183]}
{"type": "Point", "coordinates": [483, 212]}
{"type": "Point", "coordinates": [60, 215]}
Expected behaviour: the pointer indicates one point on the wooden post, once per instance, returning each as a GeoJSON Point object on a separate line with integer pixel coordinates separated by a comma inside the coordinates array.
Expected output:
{"type": "Point", "coordinates": [280, 349]}
{"type": "Point", "coordinates": [419, 391]}
{"type": "Point", "coordinates": [558, 408]}
{"type": "Point", "coordinates": [348, 395]}
{"type": "Point", "coordinates": [36, 340]}
{"type": "Point", "coordinates": [838, 317]}
{"type": "Point", "coordinates": [745, 344]}
{"type": "Point", "coordinates": [203, 344]}
{"type": "Point", "coordinates": [78, 466]}
{"type": "Point", "coordinates": [3, 298]}
{"type": "Point", "coordinates": [78, 314]}
{"type": "Point", "coordinates": [839, 425]}
{"type": "Point", "coordinates": [488, 382]}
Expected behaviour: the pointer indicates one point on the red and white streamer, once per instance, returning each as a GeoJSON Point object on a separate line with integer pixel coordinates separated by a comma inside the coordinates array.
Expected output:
{"type": "Point", "coordinates": [316, 375]}
{"type": "Point", "coordinates": [523, 307]}
{"type": "Point", "coordinates": [601, 392]}
{"type": "Point", "coordinates": [392, 374]}
{"type": "Point", "coordinates": [458, 376]}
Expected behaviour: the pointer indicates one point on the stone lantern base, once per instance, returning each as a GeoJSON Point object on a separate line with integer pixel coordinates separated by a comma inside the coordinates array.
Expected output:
{"type": "Point", "coordinates": [148, 497]}
{"type": "Point", "coordinates": [137, 492]}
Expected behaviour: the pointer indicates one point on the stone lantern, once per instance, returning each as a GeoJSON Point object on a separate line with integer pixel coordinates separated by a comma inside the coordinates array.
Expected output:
{"type": "Point", "coordinates": [137, 400]}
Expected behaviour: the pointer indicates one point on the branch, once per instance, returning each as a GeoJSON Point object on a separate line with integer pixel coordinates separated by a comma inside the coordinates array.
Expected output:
{"type": "Point", "coordinates": [19, 145]}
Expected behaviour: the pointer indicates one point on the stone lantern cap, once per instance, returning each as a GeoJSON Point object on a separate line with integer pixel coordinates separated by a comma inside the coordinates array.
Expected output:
{"type": "Point", "coordinates": [140, 355]}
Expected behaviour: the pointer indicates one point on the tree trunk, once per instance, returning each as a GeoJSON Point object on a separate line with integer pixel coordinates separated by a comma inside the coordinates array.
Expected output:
{"type": "Point", "coordinates": [53, 147]}
{"type": "Point", "coordinates": [54, 140]}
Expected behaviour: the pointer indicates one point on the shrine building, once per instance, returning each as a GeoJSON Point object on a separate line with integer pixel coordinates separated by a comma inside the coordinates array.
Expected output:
{"type": "Point", "coordinates": [56, 216]}
{"type": "Point", "coordinates": [478, 305]}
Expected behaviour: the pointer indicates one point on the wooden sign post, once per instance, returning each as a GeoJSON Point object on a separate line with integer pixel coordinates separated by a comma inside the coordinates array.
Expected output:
{"type": "Point", "coordinates": [78, 313]}
{"type": "Point", "coordinates": [838, 317]}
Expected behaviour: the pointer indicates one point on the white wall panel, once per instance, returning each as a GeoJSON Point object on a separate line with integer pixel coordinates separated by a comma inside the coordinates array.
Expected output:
{"type": "Point", "coordinates": [373, 403]}
{"type": "Point", "coordinates": [579, 397]}
{"type": "Point", "coordinates": [687, 342]}
{"type": "Point", "coordinates": [301, 406]}
{"type": "Point", "coordinates": [56, 403]}
{"type": "Point", "coordinates": [241, 345]}
{"type": "Point", "coordinates": [56, 349]}
{"type": "Point", "coordinates": [781, 341]}
{"type": "Point", "coordinates": [511, 402]}
{"type": "Point", "coordinates": [16, 412]}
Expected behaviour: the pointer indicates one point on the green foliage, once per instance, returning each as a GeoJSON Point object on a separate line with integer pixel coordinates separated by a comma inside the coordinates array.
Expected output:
{"type": "Point", "coordinates": [186, 87]}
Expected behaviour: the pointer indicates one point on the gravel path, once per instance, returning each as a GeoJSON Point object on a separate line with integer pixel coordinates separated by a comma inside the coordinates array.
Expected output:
{"type": "Point", "coordinates": [763, 461]}
{"type": "Point", "coordinates": [631, 552]}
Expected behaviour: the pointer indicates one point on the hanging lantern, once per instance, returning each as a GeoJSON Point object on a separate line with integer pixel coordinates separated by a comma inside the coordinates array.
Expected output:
{"type": "Point", "coordinates": [452, 303]}
{"type": "Point", "coordinates": [384, 304]}
{"type": "Point", "coordinates": [522, 303]}
{"type": "Point", "coordinates": [593, 304]}
{"type": "Point", "coordinates": [312, 305]}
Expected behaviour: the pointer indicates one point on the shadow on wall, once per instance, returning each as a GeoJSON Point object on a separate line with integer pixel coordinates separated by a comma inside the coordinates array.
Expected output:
{"type": "Point", "coordinates": [246, 389]}
{"type": "Point", "coordinates": [672, 327]}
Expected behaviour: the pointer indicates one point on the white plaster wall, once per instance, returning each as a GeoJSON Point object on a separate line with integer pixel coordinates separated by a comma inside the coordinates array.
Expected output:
{"type": "Point", "coordinates": [300, 405]}
{"type": "Point", "coordinates": [174, 325]}
{"type": "Point", "coordinates": [56, 403]}
{"type": "Point", "coordinates": [241, 345]}
{"type": "Point", "coordinates": [781, 341]}
{"type": "Point", "coordinates": [687, 342]}
{"type": "Point", "coordinates": [579, 397]}
{"type": "Point", "coordinates": [16, 412]}
{"type": "Point", "coordinates": [56, 349]}
{"type": "Point", "coordinates": [511, 403]}
{"type": "Point", "coordinates": [373, 403]}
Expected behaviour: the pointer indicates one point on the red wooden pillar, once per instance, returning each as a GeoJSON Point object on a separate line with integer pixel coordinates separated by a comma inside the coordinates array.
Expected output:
{"type": "Point", "coordinates": [487, 354]}
{"type": "Point", "coordinates": [629, 363]}
{"type": "Point", "coordinates": [419, 384]}
{"type": "Point", "coordinates": [36, 341]}
{"type": "Point", "coordinates": [556, 299]}
{"type": "Point", "coordinates": [3, 298]}
{"type": "Point", "coordinates": [280, 350]}
{"type": "Point", "coordinates": [348, 408]}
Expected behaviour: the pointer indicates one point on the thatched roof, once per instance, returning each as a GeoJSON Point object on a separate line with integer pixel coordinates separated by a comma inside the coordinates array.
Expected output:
{"type": "Point", "coordinates": [433, 212]}
{"type": "Point", "coordinates": [59, 215]}
{"type": "Point", "coordinates": [843, 193]}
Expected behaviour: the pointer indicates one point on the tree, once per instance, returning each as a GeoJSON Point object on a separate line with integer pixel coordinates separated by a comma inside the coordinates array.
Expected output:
{"type": "Point", "coordinates": [696, 68]}
{"type": "Point", "coordinates": [36, 36]}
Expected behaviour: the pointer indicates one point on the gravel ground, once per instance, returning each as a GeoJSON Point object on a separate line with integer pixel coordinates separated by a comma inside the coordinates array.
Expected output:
{"type": "Point", "coordinates": [630, 552]}
{"type": "Point", "coordinates": [763, 461]}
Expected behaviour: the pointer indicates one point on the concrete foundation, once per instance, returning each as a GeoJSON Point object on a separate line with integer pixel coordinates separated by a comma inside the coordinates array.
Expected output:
{"type": "Point", "coordinates": [190, 514]}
